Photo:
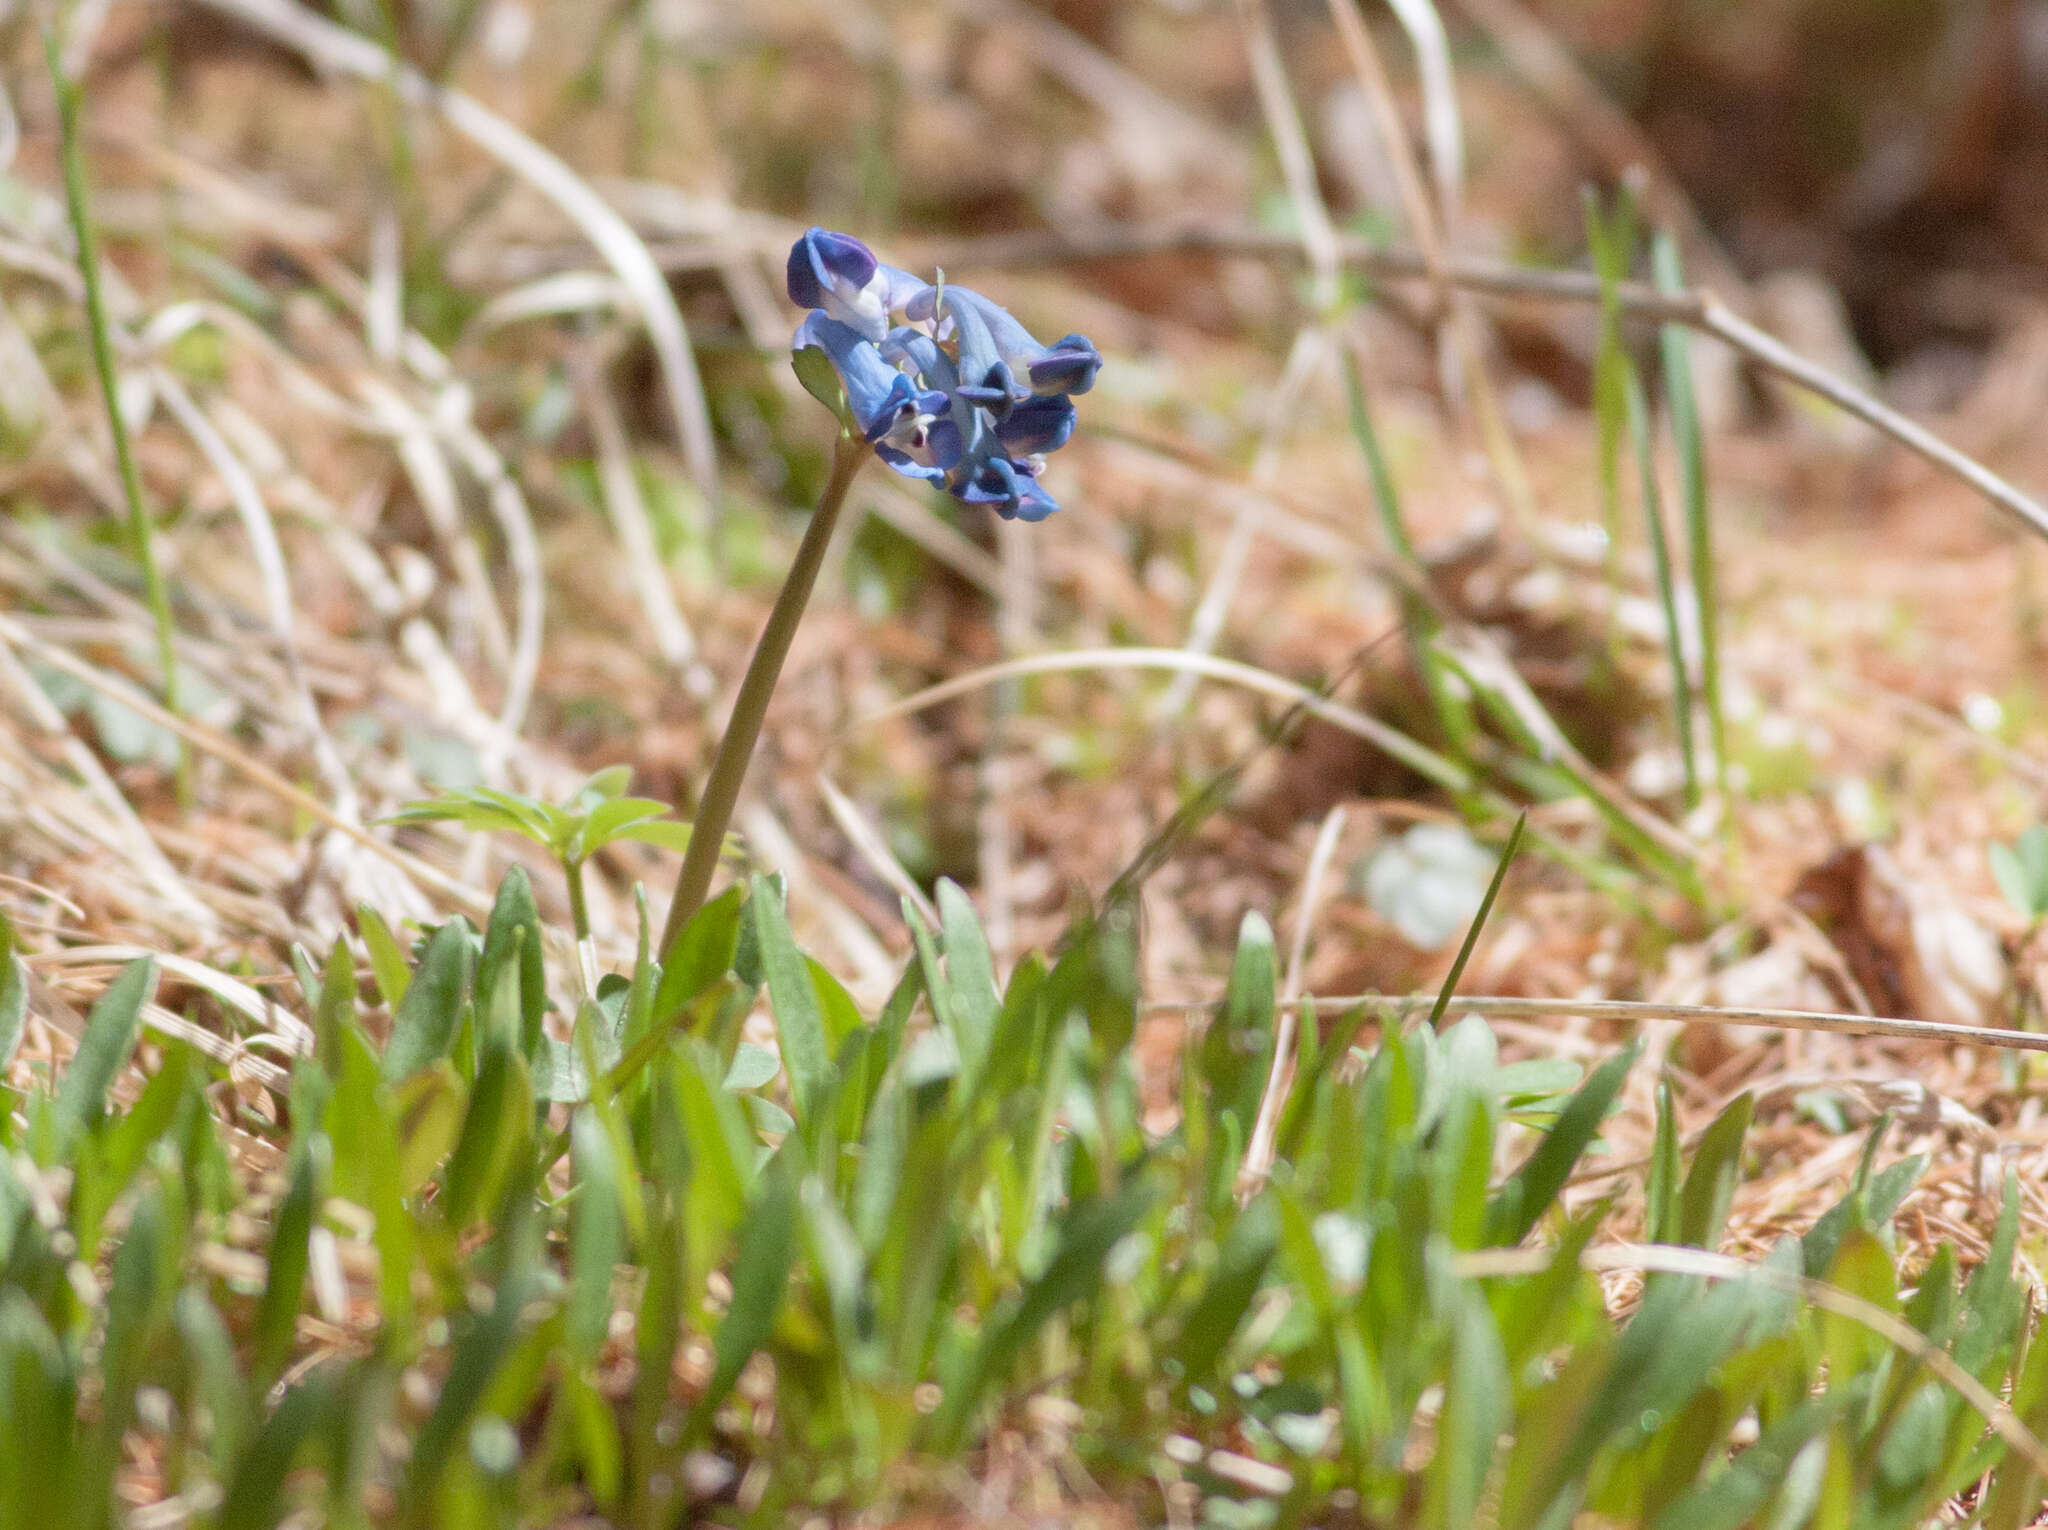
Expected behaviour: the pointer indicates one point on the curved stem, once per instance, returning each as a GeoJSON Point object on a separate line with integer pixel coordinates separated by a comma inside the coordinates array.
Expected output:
{"type": "Point", "coordinates": [750, 708]}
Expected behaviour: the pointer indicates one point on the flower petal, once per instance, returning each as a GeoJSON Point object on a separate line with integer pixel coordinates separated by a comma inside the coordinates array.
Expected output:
{"type": "Point", "coordinates": [823, 262]}
{"type": "Point", "coordinates": [1067, 367]}
{"type": "Point", "coordinates": [881, 397]}
{"type": "Point", "coordinates": [1039, 424]}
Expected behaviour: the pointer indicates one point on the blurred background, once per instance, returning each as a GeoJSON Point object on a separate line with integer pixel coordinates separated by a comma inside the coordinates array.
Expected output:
{"type": "Point", "coordinates": [521, 540]}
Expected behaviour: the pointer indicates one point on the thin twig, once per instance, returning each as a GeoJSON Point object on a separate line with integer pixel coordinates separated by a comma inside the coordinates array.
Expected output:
{"type": "Point", "coordinates": [1258, 1153]}
{"type": "Point", "coordinates": [1403, 1005]}
{"type": "Point", "coordinates": [1423, 761]}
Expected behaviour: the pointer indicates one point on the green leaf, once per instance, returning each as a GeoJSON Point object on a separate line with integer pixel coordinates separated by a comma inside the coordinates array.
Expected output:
{"type": "Point", "coordinates": [2021, 871]}
{"type": "Point", "coordinates": [424, 1026]}
{"type": "Point", "coordinates": [1240, 1268]}
{"type": "Point", "coordinates": [110, 1032]}
{"type": "Point", "coordinates": [1660, 1190]}
{"type": "Point", "coordinates": [496, 1135]}
{"type": "Point", "coordinates": [820, 378]}
{"type": "Point", "coordinates": [13, 994]}
{"type": "Point", "coordinates": [1075, 1273]}
{"type": "Point", "coordinates": [1476, 1409]}
{"type": "Point", "coordinates": [39, 1410]}
{"type": "Point", "coordinates": [1533, 1187]}
{"type": "Point", "coordinates": [430, 1107]}
{"type": "Point", "coordinates": [513, 953]}
{"type": "Point", "coordinates": [752, 1066]}
{"type": "Point", "coordinates": [799, 1024]}
{"type": "Point", "coordinates": [605, 786]}
{"type": "Point", "coordinates": [970, 980]}
{"type": "Point", "coordinates": [305, 1414]}
{"type": "Point", "coordinates": [1237, 1051]}
{"type": "Point", "coordinates": [216, 1376]}
{"type": "Point", "coordinates": [663, 834]}
{"type": "Point", "coordinates": [277, 1317]}
{"type": "Point", "coordinates": [760, 1276]}
{"type": "Point", "coordinates": [368, 1170]}
{"type": "Point", "coordinates": [597, 1235]}
{"type": "Point", "coordinates": [699, 957]}
{"type": "Point", "coordinates": [387, 958]}
{"type": "Point", "coordinates": [1733, 1497]}
{"type": "Point", "coordinates": [483, 1342]}
{"type": "Point", "coordinates": [130, 1137]}
{"type": "Point", "coordinates": [1716, 1170]}
{"type": "Point", "coordinates": [334, 1009]}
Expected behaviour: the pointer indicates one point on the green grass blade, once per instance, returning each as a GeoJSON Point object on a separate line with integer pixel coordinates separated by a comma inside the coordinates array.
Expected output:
{"type": "Point", "coordinates": [141, 530]}
{"type": "Point", "coordinates": [970, 980]}
{"type": "Point", "coordinates": [799, 1021]}
{"type": "Point", "coordinates": [13, 995]}
{"type": "Point", "coordinates": [277, 1317]}
{"type": "Point", "coordinates": [427, 1018]}
{"type": "Point", "coordinates": [513, 945]}
{"type": "Point", "coordinates": [760, 1279]}
{"type": "Point", "coordinates": [110, 1032]}
{"type": "Point", "coordinates": [387, 957]}
{"type": "Point", "coordinates": [1530, 1191]}
{"type": "Point", "coordinates": [1667, 579]}
{"type": "Point", "coordinates": [1675, 344]}
{"type": "Point", "coordinates": [1500, 875]}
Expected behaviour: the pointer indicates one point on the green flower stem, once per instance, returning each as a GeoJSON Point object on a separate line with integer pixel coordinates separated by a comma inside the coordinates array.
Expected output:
{"type": "Point", "coordinates": [141, 532]}
{"type": "Point", "coordinates": [736, 749]}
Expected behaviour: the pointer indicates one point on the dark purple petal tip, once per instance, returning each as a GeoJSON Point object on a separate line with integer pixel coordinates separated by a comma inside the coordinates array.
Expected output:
{"type": "Point", "coordinates": [820, 259]}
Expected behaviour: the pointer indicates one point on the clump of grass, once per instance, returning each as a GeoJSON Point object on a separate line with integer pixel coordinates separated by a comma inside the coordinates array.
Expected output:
{"type": "Point", "coordinates": [773, 1283]}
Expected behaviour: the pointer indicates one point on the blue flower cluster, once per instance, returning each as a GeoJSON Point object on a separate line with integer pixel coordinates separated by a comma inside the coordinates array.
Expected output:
{"type": "Point", "coordinates": [944, 384]}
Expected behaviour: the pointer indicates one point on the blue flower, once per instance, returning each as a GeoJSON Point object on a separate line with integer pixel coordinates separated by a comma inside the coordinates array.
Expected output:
{"type": "Point", "coordinates": [887, 404]}
{"type": "Point", "coordinates": [960, 395]}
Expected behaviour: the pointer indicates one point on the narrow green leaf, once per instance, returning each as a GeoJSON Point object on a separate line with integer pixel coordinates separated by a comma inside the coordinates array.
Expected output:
{"type": "Point", "coordinates": [1476, 1410]}
{"type": "Point", "coordinates": [514, 943]}
{"type": "Point", "coordinates": [1734, 1496]}
{"type": "Point", "coordinates": [1716, 1170]}
{"type": "Point", "coordinates": [1652, 499]}
{"type": "Point", "coordinates": [306, 1414]}
{"type": "Point", "coordinates": [13, 994]}
{"type": "Point", "coordinates": [1500, 875]}
{"type": "Point", "coordinates": [334, 1009]}
{"type": "Point", "coordinates": [1075, 1273]}
{"type": "Point", "coordinates": [277, 1318]}
{"type": "Point", "coordinates": [1675, 344]}
{"type": "Point", "coordinates": [110, 1032]}
{"type": "Point", "coordinates": [1660, 1191]}
{"type": "Point", "coordinates": [799, 1025]}
{"type": "Point", "coordinates": [368, 1170]}
{"type": "Point", "coordinates": [970, 979]}
{"type": "Point", "coordinates": [1534, 1186]}
{"type": "Point", "coordinates": [387, 958]}
{"type": "Point", "coordinates": [496, 1136]}
{"type": "Point", "coordinates": [1237, 1050]}
{"type": "Point", "coordinates": [483, 1342]}
{"type": "Point", "coordinates": [425, 1022]}
{"type": "Point", "coordinates": [597, 1236]}
{"type": "Point", "coordinates": [1226, 1300]}
{"type": "Point", "coordinates": [760, 1277]}
{"type": "Point", "coordinates": [699, 957]}
{"type": "Point", "coordinates": [752, 1066]}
